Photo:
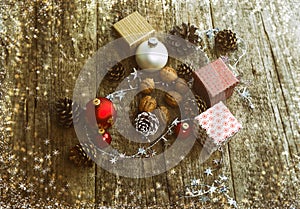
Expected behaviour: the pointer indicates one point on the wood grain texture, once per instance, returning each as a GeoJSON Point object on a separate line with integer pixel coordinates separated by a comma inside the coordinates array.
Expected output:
{"type": "Point", "coordinates": [58, 38]}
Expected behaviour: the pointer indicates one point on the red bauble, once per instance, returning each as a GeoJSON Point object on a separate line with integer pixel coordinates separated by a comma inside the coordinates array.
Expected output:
{"type": "Point", "coordinates": [101, 112]}
{"type": "Point", "coordinates": [183, 130]}
{"type": "Point", "coordinates": [103, 140]}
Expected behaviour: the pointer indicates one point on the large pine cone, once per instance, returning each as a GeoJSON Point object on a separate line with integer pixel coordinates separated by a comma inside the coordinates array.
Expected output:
{"type": "Point", "coordinates": [79, 157]}
{"type": "Point", "coordinates": [146, 123]}
{"type": "Point", "coordinates": [65, 114]}
{"type": "Point", "coordinates": [226, 40]}
{"type": "Point", "coordinates": [116, 72]}
{"type": "Point", "coordinates": [185, 70]}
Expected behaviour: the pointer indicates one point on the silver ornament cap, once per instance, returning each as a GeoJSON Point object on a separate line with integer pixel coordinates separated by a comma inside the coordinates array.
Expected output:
{"type": "Point", "coordinates": [151, 55]}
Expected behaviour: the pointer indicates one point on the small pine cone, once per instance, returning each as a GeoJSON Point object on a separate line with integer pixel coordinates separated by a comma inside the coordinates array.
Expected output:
{"type": "Point", "coordinates": [186, 31]}
{"type": "Point", "coordinates": [194, 104]}
{"type": "Point", "coordinates": [146, 123]}
{"type": "Point", "coordinates": [209, 146]}
{"type": "Point", "coordinates": [202, 107]}
{"type": "Point", "coordinates": [185, 70]}
{"type": "Point", "coordinates": [65, 113]}
{"type": "Point", "coordinates": [79, 157]}
{"type": "Point", "coordinates": [226, 40]}
{"type": "Point", "coordinates": [199, 132]}
{"type": "Point", "coordinates": [116, 72]}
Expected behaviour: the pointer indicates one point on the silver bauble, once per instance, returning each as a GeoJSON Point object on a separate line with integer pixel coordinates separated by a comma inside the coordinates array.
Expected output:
{"type": "Point", "coordinates": [151, 55]}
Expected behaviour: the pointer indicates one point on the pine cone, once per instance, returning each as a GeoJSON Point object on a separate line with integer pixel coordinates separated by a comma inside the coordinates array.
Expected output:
{"type": "Point", "coordinates": [190, 105]}
{"type": "Point", "coordinates": [116, 72]}
{"type": "Point", "coordinates": [226, 40]}
{"type": "Point", "coordinates": [78, 156]}
{"type": "Point", "coordinates": [202, 137]}
{"type": "Point", "coordinates": [202, 107]}
{"type": "Point", "coordinates": [199, 132]}
{"type": "Point", "coordinates": [186, 31]}
{"type": "Point", "coordinates": [65, 113]}
{"type": "Point", "coordinates": [185, 70]}
{"type": "Point", "coordinates": [146, 123]}
{"type": "Point", "coordinates": [180, 47]}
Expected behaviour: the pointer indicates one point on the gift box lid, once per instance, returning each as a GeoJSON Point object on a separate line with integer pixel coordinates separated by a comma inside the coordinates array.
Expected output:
{"type": "Point", "coordinates": [134, 29]}
{"type": "Point", "coordinates": [216, 78]}
{"type": "Point", "coordinates": [219, 123]}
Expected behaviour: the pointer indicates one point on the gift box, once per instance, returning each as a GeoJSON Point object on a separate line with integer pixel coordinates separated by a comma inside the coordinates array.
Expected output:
{"type": "Point", "coordinates": [216, 126]}
{"type": "Point", "coordinates": [134, 29]}
{"type": "Point", "coordinates": [215, 82]}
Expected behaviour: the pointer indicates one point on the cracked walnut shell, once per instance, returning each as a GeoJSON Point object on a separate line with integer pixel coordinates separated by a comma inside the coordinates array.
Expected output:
{"type": "Point", "coordinates": [147, 104]}
{"type": "Point", "coordinates": [168, 74]}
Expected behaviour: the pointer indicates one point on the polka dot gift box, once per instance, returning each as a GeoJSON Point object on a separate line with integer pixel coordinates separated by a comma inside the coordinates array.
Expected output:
{"type": "Point", "coordinates": [215, 126]}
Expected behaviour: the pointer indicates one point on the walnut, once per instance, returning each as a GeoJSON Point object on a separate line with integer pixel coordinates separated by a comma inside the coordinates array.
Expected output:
{"type": "Point", "coordinates": [168, 74]}
{"type": "Point", "coordinates": [147, 104]}
{"type": "Point", "coordinates": [181, 86]}
{"type": "Point", "coordinates": [147, 85]}
{"type": "Point", "coordinates": [173, 98]}
{"type": "Point", "coordinates": [164, 114]}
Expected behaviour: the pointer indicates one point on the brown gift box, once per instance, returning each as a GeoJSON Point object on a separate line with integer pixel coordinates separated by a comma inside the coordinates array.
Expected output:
{"type": "Point", "coordinates": [214, 82]}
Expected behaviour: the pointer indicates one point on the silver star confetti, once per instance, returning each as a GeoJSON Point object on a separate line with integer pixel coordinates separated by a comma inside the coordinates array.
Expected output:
{"type": "Point", "coordinates": [212, 189]}
{"type": "Point", "coordinates": [134, 74]}
{"type": "Point", "coordinates": [120, 95]}
{"type": "Point", "coordinates": [142, 151]}
{"type": "Point", "coordinates": [245, 95]}
{"type": "Point", "coordinates": [113, 160]}
{"type": "Point", "coordinates": [223, 178]}
{"type": "Point", "coordinates": [208, 172]}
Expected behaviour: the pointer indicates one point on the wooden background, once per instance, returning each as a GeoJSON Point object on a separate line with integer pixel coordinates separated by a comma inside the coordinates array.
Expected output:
{"type": "Point", "coordinates": [47, 43]}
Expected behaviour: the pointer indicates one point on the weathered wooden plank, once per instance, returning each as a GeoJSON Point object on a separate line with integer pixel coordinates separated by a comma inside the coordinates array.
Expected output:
{"type": "Point", "coordinates": [40, 87]}
{"type": "Point", "coordinates": [158, 185]}
{"type": "Point", "coordinates": [224, 17]}
{"type": "Point", "coordinates": [26, 84]}
{"type": "Point", "coordinates": [190, 168]}
{"type": "Point", "coordinates": [72, 40]}
{"type": "Point", "coordinates": [12, 77]}
{"type": "Point", "coordinates": [12, 73]}
{"type": "Point", "coordinates": [106, 182]}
